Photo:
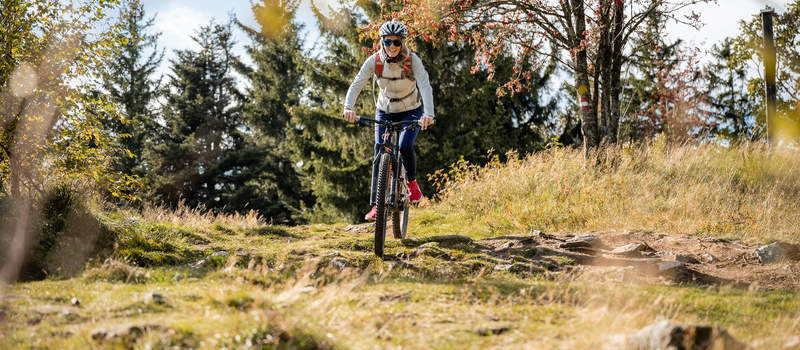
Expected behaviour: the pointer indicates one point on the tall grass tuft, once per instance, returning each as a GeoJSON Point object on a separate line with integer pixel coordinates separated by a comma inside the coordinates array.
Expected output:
{"type": "Point", "coordinates": [746, 191]}
{"type": "Point", "coordinates": [199, 218]}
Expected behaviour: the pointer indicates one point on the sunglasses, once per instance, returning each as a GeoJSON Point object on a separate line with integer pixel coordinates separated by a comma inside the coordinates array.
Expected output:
{"type": "Point", "coordinates": [389, 42]}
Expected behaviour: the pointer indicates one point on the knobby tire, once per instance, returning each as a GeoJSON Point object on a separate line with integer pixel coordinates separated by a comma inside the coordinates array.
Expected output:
{"type": "Point", "coordinates": [381, 199]}
{"type": "Point", "coordinates": [400, 213]}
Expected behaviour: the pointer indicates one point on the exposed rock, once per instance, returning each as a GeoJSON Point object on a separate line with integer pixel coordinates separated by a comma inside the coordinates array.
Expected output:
{"type": "Point", "coordinates": [777, 251]}
{"type": "Point", "coordinates": [684, 258]}
{"type": "Point", "coordinates": [74, 301]}
{"type": "Point", "coordinates": [443, 240]}
{"type": "Point", "coordinates": [518, 268]}
{"type": "Point", "coordinates": [581, 241]}
{"type": "Point", "coordinates": [670, 267]}
{"type": "Point", "coordinates": [154, 298]}
{"type": "Point", "coordinates": [709, 258]}
{"type": "Point", "coordinates": [792, 344]}
{"type": "Point", "coordinates": [503, 267]}
{"type": "Point", "coordinates": [219, 253]}
{"type": "Point", "coordinates": [666, 335]}
{"type": "Point", "coordinates": [631, 250]}
{"type": "Point", "coordinates": [504, 245]}
{"type": "Point", "coordinates": [339, 263]}
{"type": "Point", "coordinates": [493, 331]}
{"type": "Point", "coordinates": [449, 239]}
{"type": "Point", "coordinates": [200, 263]}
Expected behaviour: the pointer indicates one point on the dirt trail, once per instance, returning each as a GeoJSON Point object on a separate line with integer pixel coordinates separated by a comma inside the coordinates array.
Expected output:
{"type": "Point", "coordinates": [638, 257]}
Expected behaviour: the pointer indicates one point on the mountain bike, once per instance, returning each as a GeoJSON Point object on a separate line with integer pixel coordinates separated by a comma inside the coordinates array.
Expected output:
{"type": "Point", "coordinates": [392, 196]}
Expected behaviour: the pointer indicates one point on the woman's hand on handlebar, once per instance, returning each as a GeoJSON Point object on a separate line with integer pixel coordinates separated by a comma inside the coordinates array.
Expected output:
{"type": "Point", "coordinates": [426, 121]}
{"type": "Point", "coordinates": [349, 115]}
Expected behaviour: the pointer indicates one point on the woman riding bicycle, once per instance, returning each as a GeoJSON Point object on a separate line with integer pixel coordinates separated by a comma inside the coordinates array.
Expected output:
{"type": "Point", "coordinates": [405, 95]}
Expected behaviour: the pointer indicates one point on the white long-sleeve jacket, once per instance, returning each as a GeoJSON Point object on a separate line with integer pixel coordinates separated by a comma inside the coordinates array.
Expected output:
{"type": "Point", "coordinates": [407, 90]}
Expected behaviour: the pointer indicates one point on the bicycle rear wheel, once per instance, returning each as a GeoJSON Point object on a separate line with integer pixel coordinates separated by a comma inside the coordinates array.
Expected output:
{"type": "Point", "coordinates": [400, 213]}
{"type": "Point", "coordinates": [382, 196]}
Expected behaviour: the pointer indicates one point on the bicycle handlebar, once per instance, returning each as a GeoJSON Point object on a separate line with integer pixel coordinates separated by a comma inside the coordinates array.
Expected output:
{"type": "Point", "coordinates": [365, 122]}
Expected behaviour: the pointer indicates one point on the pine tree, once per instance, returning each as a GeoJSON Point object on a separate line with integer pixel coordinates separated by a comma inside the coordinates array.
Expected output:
{"type": "Point", "coordinates": [335, 158]}
{"type": "Point", "coordinates": [195, 159]}
{"type": "Point", "coordinates": [662, 94]}
{"type": "Point", "coordinates": [128, 81]}
{"type": "Point", "coordinates": [732, 114]}
{"type": "Point", "coordinates": [268, 179]}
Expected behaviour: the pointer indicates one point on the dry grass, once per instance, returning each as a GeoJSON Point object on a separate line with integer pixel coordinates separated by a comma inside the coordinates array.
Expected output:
{"type": "Point", "coordinates": [747, 191]}
{"type": "Point", "coordinates": [198, 218]}
{"type": "Point", "coordinates": [379, 307]}
{"type": "Point", "coordinates": [280, 286]}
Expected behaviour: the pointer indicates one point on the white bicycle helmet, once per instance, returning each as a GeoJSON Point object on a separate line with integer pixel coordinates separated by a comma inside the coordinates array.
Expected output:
{"type": "Point", "coordinates": [393, 28]}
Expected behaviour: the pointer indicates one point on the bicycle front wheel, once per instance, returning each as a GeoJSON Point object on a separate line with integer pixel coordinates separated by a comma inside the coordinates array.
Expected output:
{"type": "Point", "coordinates": [382, 196]}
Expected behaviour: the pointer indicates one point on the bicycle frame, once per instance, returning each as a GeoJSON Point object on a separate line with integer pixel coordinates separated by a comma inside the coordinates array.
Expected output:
{"type": "Point", "coordinates": [389, 145]}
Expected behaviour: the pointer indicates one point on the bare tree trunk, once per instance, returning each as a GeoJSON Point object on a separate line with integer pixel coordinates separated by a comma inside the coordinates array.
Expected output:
{"type": "Point", "coordinates": [580, 58]}
{"type": "Point", "coordinates": [603, 71]}
{"type": "Point", "coordinates": [615, 71]}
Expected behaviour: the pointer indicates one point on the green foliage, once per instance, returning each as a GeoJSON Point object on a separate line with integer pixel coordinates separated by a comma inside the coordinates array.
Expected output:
{"type": "Point", "coordinates": [747, 54]}
{"type": "Point", "coordinates": [127, 80]}
{"type": "Point", "coordinates": [266, 179]}
{"type": "Point", "coordinates": [733, 113]}
{"type": "Point", "coordinates": [51, 123]}
{"type": "Point", "coordinates": [660, 93]}
{"type": "Point", "coordinates": [336, 157]}
{"type": "Point", "coordinates": [196, 156]}
{"type": "Point", "coordinates": [61, 234]}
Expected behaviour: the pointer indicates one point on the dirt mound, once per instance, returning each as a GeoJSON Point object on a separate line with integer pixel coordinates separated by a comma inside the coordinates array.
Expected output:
{"type": "Point", "coordinates": [648, 257]}
{"type": "Point", "coordinates": [631, 256]}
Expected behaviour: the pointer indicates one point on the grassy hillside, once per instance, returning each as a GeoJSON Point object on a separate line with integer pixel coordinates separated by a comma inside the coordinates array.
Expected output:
{"type": "Point", "coordinates": [747, 192]}
{"type": "Point", "coordinates": [191, 280]}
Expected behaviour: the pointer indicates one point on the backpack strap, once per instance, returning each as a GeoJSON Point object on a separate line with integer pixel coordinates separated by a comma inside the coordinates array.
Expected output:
{"type": "Point", "coordinates": [404, 75]}
{"type": "Point", "coordinates": [407, 66]}
{"type": "Point", "coordinates": [378, 65]}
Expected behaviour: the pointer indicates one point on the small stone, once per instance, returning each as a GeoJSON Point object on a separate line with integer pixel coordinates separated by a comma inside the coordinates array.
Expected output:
{"type": "Point", "coordinates": [709, 258]}
{"type": "Point", "coordinates": [666, 335]}
{"type": "Point", "coordinates": [429, 245]}
{"type": "Point", "coordinates": [74, 301]}
{"type": "Point", "coordinates": [776, 252]}
{"type": "Point", "coordinates": [338, 263]}
{"type": "Point", "coordinates": [493, 331]}
{"type": "Point", "coordinates": [581, 241]}
{"type": "Point", "coordinates": [669, 266]}
{"type": "Point", "coordinates": [503, 267]}
{"type": "Point", "coordinates": [505, 245]}
{"type": "Point", "coordinates": [631, 250]}
{"type": "Point", "coordinates": [219, 253]}
{"type": "Point", "coordinates": [450, 239]}
{"type": "Point", "coordinates": [154, 298]}
{"type": "Point", "coordinates": [197, 264]}
{"type": "Point", "coordinates": [686, 258]}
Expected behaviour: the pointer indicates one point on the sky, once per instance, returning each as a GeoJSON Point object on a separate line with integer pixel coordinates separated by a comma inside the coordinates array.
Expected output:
{"type": "Point", "coordinates": [179, 19]}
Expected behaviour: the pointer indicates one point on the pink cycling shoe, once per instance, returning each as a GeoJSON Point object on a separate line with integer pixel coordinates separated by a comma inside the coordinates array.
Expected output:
{"type": "Point", "coordinates": [371, 215]}
{"type": "Point", "coordinates": [414, 193]}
